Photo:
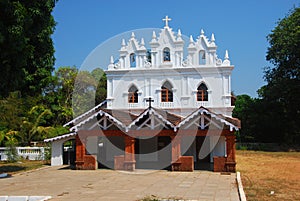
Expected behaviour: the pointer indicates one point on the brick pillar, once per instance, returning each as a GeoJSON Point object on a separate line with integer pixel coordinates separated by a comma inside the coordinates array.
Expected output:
{"type": "Point", "coordinates": [176, 152]}
{"type": "Point", "coordinates": [129, 160]}
{"type": "Point", "coordinates": [80, 152]}
{"type": "Point", "coordinates": [230, 149]}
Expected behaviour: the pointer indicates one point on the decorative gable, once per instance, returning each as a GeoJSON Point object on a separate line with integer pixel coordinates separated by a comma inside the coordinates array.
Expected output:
{"type": "Point", "coordinates": [167, 49]}
{"type": "Point", "coordinates": [167, 58]}
{"type": "Point", "coordinates": [132, 55]}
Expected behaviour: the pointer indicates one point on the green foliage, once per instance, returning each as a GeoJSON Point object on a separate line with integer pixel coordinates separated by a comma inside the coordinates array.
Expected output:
{"type": "Point", "coordinates": [261, 120]}
{"type": "Point", "coordinates": [47, 156]}
{"type": "Point", "coordinates": [282, 90]}
{"type": "Point", "coordinates": [72, 89]}
{"type": "Point", "coordinates": [58, 94]}
{"type": "Point", "coordinates": [100, 77]}
{"type": "Point", "coordinates": [89, 90]}
{"type": "Point", "coordinates": [27, 53]}
{"type": "Point", "coordinates": [34, 118]}
{"type": "Point", "coordinates": [243, 111]}
{"type": "Point", "coordinates": [284, 48]}
{"type": "Point", "coordinates": [27, 59]}
{"type": "Point", "coordinates": [25, 120]}
{"type": "Point", "coordinates": [12, 155]}
{"type": "Point", "coordinates": [274, 116]}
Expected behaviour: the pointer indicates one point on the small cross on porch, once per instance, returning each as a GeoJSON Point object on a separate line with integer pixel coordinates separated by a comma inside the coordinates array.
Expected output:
{"type": "Point", "coordinates": [149, 100]}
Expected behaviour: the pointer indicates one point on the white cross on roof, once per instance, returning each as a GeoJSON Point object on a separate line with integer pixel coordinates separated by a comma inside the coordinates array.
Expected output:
{"type": "Point", "coordinates": [167, 19]}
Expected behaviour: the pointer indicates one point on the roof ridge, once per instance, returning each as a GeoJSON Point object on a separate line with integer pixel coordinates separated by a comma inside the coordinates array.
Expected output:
{"type": "Point", "coordinates": [86, 113]}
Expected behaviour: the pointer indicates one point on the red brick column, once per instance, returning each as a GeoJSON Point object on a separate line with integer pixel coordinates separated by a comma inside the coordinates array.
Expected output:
{"type": "Point", "coordinates": [129, 160]}
{"type": "Point", "coordinates": [176, 152]}
{"type": "Point", "coordinates": [80, 152]}
{"type": "Point", "coordinates": [230, 149]}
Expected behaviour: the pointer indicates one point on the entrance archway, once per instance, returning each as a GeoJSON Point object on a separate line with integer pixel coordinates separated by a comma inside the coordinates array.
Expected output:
{"type": "Point", "coordinates": [69, 152]}
{"type": "Point", "coordinates": [191, 146]}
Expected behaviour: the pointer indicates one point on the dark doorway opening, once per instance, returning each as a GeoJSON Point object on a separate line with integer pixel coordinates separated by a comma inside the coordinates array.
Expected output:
{"type": "Point", "coordinates": [153, 153]}
{"type": "Point", "coordinates": [69, 153]}
{"type": "Point", "coordinates": [203, 162]}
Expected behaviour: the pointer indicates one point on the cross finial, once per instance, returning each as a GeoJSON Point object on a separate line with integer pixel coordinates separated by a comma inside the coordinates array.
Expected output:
{"type": "Point", "coordinates": [167, 19]}
{"type": "Point", "coordinates": [149, 100]}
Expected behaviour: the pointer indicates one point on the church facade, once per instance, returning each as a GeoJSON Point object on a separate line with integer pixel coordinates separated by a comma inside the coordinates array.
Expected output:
{"type": "Point", "coordinates": [168, 106]}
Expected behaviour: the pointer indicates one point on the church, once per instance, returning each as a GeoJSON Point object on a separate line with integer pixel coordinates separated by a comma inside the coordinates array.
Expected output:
{"type": "Point", "coordinates": [167, 107]}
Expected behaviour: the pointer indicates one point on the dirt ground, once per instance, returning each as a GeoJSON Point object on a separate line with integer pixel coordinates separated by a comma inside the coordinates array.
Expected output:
{"type": "Point", "coordinates": [270, 175]}
{"type": "Point", "coordinates": [109, 185]}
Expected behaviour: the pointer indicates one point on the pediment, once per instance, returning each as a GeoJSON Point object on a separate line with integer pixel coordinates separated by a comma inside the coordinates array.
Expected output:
{"type": "Point", "coordinates": [167, 38]}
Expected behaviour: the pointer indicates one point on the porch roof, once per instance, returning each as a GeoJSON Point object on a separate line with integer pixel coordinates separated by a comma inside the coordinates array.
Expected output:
{"type": "Point", "coordinates": [60, 137]}
{"type": "Point", "coordinates": [126, 119]}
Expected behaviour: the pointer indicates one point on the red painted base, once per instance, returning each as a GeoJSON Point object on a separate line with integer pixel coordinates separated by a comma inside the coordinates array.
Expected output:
{"type": "Point", "coordinates": [184, 163]}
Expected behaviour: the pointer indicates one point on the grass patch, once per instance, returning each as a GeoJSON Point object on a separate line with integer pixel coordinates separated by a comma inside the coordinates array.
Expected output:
{"type": "Point", "coordinates": [20, 166]}
{"type": "Point", "coordinates": [270, 175]}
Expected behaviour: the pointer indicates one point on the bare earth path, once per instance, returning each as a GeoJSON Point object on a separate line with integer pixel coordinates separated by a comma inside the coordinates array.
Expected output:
{"type": "Point", "coordinates": [65, 184]}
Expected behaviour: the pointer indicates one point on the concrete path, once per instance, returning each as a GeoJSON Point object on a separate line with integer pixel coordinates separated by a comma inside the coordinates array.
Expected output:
{"type": "Point", "coordinates": [109, 185]}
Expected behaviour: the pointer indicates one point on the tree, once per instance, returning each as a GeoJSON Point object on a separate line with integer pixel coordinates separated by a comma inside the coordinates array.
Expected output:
{"type": "Point", "coordinates": [259, 119]}
{"type": "Point", "coordinates": [67, 82]}
{"type": "Point", "coordinates": [242, 111]}
{"type": "Point", "coordinates": [84, 92]}
{"type": "Point", "coordinates": [27, 53]}
{"type": "Point", "coordinates": [13, 107]}
{"type": "Point", "coordinates": [283, 81]}
{"type": "Point", "coordinates": [100, 77]}
{"type": "Point", "coordinates": [59, 92]}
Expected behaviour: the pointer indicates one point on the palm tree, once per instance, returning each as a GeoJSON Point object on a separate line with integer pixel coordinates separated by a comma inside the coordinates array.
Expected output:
{"type": "Point", "coordinates": [33, 127]}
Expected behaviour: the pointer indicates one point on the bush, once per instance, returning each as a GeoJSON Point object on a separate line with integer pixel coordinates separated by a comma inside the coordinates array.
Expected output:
{"type": "Point", "coordinates": [12, 154]}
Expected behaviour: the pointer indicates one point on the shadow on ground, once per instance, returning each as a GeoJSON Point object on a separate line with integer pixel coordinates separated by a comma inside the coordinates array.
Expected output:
{"type": "Point", "coordinates": [11, 168]}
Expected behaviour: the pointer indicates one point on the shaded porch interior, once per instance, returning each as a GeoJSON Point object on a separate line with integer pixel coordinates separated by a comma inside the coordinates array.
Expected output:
{"type": "Point", "coordinates": [155, 139]}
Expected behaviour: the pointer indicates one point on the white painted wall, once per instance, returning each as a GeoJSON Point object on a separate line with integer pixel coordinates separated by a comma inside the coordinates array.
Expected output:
{"type": "Point", "coordinates": [57, 151]}
{"type": "Point", "coordinates": [184, 74]}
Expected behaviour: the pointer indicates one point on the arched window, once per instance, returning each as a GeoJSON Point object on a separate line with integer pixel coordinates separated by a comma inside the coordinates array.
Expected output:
{"type": "Point", "coordinates": [202, 94]}
{"type": "Point", "coordinates": [148, 55]}
{"type": "Point", "coordinates": [166, 92]}
{"type": "Point", "coordinates": [132, 60]}
{"type": "Point", "coordinates": [166, 54]}
{"type": "Point", "coordinates": [133, 94]}
{"type": "Point", "coordinates": [202, 58]}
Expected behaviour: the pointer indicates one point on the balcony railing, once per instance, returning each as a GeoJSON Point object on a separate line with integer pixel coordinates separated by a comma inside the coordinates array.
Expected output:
{"type": "Point", "coordinates": [166, 104]}
{"type": "Point", "coordinates": [133, 105]}
{"type": "Point", "coordinates": [202, 103]}
{"type": "Point", "coordinates": [30, 153]}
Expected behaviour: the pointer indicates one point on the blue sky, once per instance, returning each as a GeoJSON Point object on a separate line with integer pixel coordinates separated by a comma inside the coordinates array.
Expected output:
{"type": "Point", "coordinates": [239, 26]}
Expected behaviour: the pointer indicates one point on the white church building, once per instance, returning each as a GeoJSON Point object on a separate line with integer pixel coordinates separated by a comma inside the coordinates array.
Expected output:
{"type": "Point", "coordinates": [172, 81]}
{"type": "Point", "coordinates": [174, 97]}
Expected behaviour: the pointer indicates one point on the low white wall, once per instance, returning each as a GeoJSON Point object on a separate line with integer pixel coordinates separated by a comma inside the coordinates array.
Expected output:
{"type": "Point", "coordinates": [31, 153]}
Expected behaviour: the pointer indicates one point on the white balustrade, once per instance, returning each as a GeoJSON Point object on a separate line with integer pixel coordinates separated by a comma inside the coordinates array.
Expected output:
{"type": "Point", "coordinates": [202, 103]}
{"type": "Point", "coordinates": [30, 153]}
{"type": "Point", "coordinates": [166, 104]}
{"type": "Point", "coordinates": [133, 105]}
